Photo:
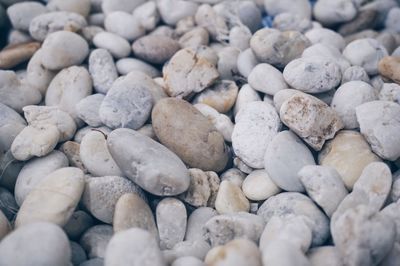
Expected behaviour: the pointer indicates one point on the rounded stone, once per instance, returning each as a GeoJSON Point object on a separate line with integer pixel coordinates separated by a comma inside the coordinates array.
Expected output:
{"type": "Point", "coordinates": [325, 255]}
{"type": "Point", "coordinates": [9, 207]}
{"type": "Point", "coordinates": [231, 199]}
{"type": "Point", "coordinates": [102, 70]}
{"type": "Point", "coordinates": [109, 6]}
{"type": "Point", "coordinates": [94, 241]}
{"type": "Point", "coordinates": [284, 253]}
{"type": "Point", "coordinates": [389, 68]}
{"type": "Point", "coordinates": [79, 222]}
{"type": "Point", "coordinates": [102, 193]}
{"type": "Point", "coordinates": [147, 15]}
{"type": "Point", "coordinates": [134, 246]}
{"type": "Point", "coordinates": [348, 153]}
{"type": "Point", "coordinates": [257, 123]}
{"type": "Point", "coordinates": [246, 94]}
{"type": "Point", "coordinates": [56, 54]}
{"type": "Point", "coordinates": [196, 221]}
{"type": "Point", "coordinates": [88, 109]}
{"type": "Point", "coordinates": [331, 12]}
{"type": "Point", "coordinates": [178, 125]}
{"type": "Point", "coordinates": [124, 25]}
{"type": "Point", "coordinates": [148, 163]}
{"type": "Point", "coordinates": [155, 49]}
{"type": "Point", "coordinates": [71, 150]}
{"type": "Point", "coordinates": [298, 7]}
{"type": "Point", "coordinates": [116, 45]}
{"type": "Point", "coordinates": [326, 37]}
{"type": "Point", "coordinates": [187, 261]}
{"type": "Point", "coordinates": [11, 123]}
{"type": "Point", "coordinates": [21, 14]}
{"type": "Point", "coordinates": [293, 203]}
{"type": "Point", "coordinates": [266, 79]}
{"type": "Point", "coordinates": [22, 246]}
{"type": "Point", "coordinates": [258, 185]}
{"type": "Point", "coordinates": [127, 65]}
{"type": "Point", "coordinates": [78, 254]}
{"type": "Point", "coordinates": [15, 54]}
{"type": "Point", "coordinates": [172, 11]}
{"type": "Point", "coordinates": [37, 75]}
{"type": "Point", "coordinates": [246, 61]}
{"type": "Point", "coordinates": [390, 92]}
{"type": "Point", "coordinates": [355, 73]}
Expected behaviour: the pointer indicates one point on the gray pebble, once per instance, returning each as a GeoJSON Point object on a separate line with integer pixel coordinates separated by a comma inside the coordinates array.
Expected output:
{"type": "Point", "coordinates": [155, 49]}
{"type": "Point", "coordinates": [21, 14]}
{"type": "Point", "coordinates": [109, 6]}
{"type": "Point", "coordinates": [299, 7]}
{"type": "Point", "coordinates": [102, 70]}
{"type": "Point", "coordinates": [327, 37]}
{"type": "Point", "coordinates": [79, 222]}
{"type": "Point", "coordinates": [324, 256]}
{"type": "Point", "coordinates": [94, 241]}
{"type": "Point", "coordinates": [78, 254]}
{"type": "Point", "coordinates": [246, 61]}
{"type": "Point", "coordinates": [354, 73]}
{"type": "Point", "coordinates": [239, 37]}
{"type": "Point", "coordinates": [115, 44]}
{"type": "Point", "coordinates": [126, 65]}
{"type": "Point", "coordinates": [291, 21]}
{"type": "Point", "coordinates": [9, 206]}
{"type": "Point", "coordinates": [11, 123]}
{"type": "Point", "coordinates": [88, 109]}
{"type": "Point", "coordinates": [390, 92]}
{"type": "Point", "coordinates": [148, 15]}
{"type": "Point", "coordinates": [196, 221]}
{"type": "Point", "coordinates": [93, 262]}
{"type": "Point", "coordinates": [124, 25]}
{"type": "Point", "coordinates": [266, 79]}
{"type": "Point", "coordinates": [172, 11]}
{"type": "Point", "coordinates": [330, 12]}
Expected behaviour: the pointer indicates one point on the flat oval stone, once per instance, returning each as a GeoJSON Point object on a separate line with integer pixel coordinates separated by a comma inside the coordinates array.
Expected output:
{"type": "Point", "coordinates": [37, 75]}
{"type": "Point", "coordinates": [155, 49]}
{"type": "Point", "coordinates": [246, 94]}
{"type": "Point", "coordinates": [57, 55]}
{"type": "Point", "coordinates": [21, 14]}
{"type": "Point", "coordinates": [267, 79]}
{"type": "Point", "coordinates": [79, 222]}
{"type": "Point", "coordinates": [124, 24]}
{"type": "Point", "coordinates": [284, 157]}
{"type": "Point", "coordinates": [13, 55]}
{"type": "Point", "coordinates": [257, 123]}
{"type": "Point", "coordinates": [171, 228]}
{"type": "Point", "coordinates": [127, 65]}
{"type": "Point", "coordinates": [179, 125]}
{"type": "Point", "coordinates": [88, 109]}
{"type": "Point", "coordinates": [152, 166]}
{"type": "Point", "coordinates": [289, 203]}
{"type": "Point", "coordinates": [51, 238]}
{"type": "Point", "coordinates": [34, 171]}
{"type": "Point", "coordinates": [134, 246]}
{"type": "Point", "coordinates": [54, 199]}
{"type": "Point", "coordinates": [102, 193]}
{"type": "Point", "coordinates": [230, 199]}
{"type": "Point", "coordinates": [132, 211]}
{"type": "Point", "coordinates": [95, 240]}
{"type": "Point", "coordinates": [379, 124]}
{"type": "Point", "coordinates": [102, 70]}
{"type": "Point", "coordinates": [258, 185]}
{"type": "Point", "coordinates": [310, 118]}
{"type": "Point", "coordinates": [11, 123]}
{"type": "Point", "coordinates": [115, 44]}
{"type": "Point", "coordinates": [388, 67]}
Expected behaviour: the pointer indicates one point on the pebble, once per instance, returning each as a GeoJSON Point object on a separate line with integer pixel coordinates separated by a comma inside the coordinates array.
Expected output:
{"type": "Point", "coordinates": [257, 123]}
{"type": "Point", "coordinates": [148, 163]}
{"type": "Point", "coordinates": [221, 229]}
{"type": "Point", "coordinates": [227, 62]}
{"type": "Point", "coordinates": [109, 6]}
{"type": "Point", "coordinates": [93, 262]}
{"type": "Point", "coordinates": [284, 157]}
{"type": "Point", "coordinates": [390, 92]}
{"type": "Point", "coordinates": [196, 221]}
{"type": "Point", "coordinates": [95, 240]}
{"type": "Point", "coordinates": [278, 48]}
{"type": "Point", "coordinates": [239, 37]}
{"type": "Point", "coordinates": [61, 189]}
{"type": "Point", "coordinates": [324, 256]}
{"type": "Point", "coordinates": [83, 131]}
{"type": "Point", "coordinates": [299, 7]}
{"type": "Point", "coordinates": [329, 53]}
{"type": "Point", "coordinates": [194, 38]}
{"type": "Point", "coordinates": [231, 199]}
{"type": "Point", "coordinates": [331, 12]}
{"type": "Point", "coordinates": [291, 21]}
{"type": "Point", "coordinates": [187, 72]}
{"type": "Point", "coordinates": [203, 188]}
{"type": "Point", "coordinates": [71, 150]}
{"type": "Point", "coordinates": [348, 97]}
{"type": "Point", "coordinates": [16, 94]}
{"type": "Point", "coordinates": [21, 14]}
{"type": "Point", "coordinates": [102, 193]}
{"type": "Point", "coordinates": [9, 168]}
{"type": "Point", "coordinates": [366, 53]}
{"type": "Point", "coordinates": [68, 87]}
{"type": "Point", "coordinates": [124, 25]}
{"type": "Point", "coordinates": [178, 125]}
{"type": "Point", "coordinates": [365, 19]}
{"type": "Point", "coordinates": [207, 17]}
{"type": "Point", "coordinates": [79, 222]}
{"type": "Point", "coordinates": [312, 119]}
{"type": "Point", "coordinates": [246, 61]}
{"type": "Point", "coordinates": [388, 68]}
{"type": "Point", "coordinates": [378, 123]}
{"type": "Point", "coordinates": [131, 211]}
{"type": "Point", "coordinates": [236, 252]}
{"type": "Point", "coordinates": [96, 157]}
{"type": "Point", "coordinates": [288, 203]}
{"type": "Point", "coordinates": [37, 75]}
{"type": "Point", "coordinates": [327, 37]}
{"type": "Point", "coordinates": [88, 109]}
{"type": "Point", "coordinates": [126, 65]}
{"type": "Point", "coordinates": [147, 15]}
{"type": "Point", "coordinates": [11, 123]}
{"type": "Point", "coordinates": [35, 171]}
{"type": "Point", "coordinates": [355, 73]}
{"type": "Point", "coordinates": [324, 185]}
{"type": "Point", "coordinates": [258, 186]}
{"type": "Point", "coordinates": [20, 247]}
{"type": "Point", "coordinates": [267, 79]}
{"type": "Point", "coordinates": [313, 74]}
{"type": "Point", "coordinates": [171, 228]}
{"type": "Point", "coordinates": [171, 11]}
{"type": "Point", "coordinates": [113, 43]}
{"type": "Point", "coordinates": [348, 153]}
{"type": "Point", "coordinates": [197, 249]}
{"type": "Point", "coordinates": [102, 70]}
{"type": "Point", "coordinates": [155, 49]}
{"type": "Point", "coordinates": [45, 24]}
{"type": "Point", "coordinates": [5, 226]}
{"type": "Point", "coordinates": [283, 253]}
{"type": "Point", "coordinates": [133, 247]}
{"type": "Point", "coordinates": [35, 141]}
{"type": "Point", "coordinates": [239, 164]}
{"type": "Point", "coordinates": [188, 261]}
{"type": "Point", "coordinates": [14, 55]}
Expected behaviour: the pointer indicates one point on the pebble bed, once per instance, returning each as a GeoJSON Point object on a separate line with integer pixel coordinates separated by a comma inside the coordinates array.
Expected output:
{"type": "Point", "coordinates": [200, 133]}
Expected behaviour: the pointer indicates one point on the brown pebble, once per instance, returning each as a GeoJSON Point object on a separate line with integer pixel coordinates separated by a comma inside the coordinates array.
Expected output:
{"type": "Point", "coordinates": [13, 55]}
{"type": "Point", "coordinates": [389, 67]}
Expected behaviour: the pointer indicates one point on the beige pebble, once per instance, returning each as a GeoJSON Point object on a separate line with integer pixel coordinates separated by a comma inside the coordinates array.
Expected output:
{"type": "Point", "coordinates": [230, 198]}
{"type": "Point", "coordinates": [13, 55]}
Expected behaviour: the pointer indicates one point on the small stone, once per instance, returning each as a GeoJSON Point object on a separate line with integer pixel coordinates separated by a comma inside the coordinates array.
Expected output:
{"type": "Point", "coordinates": [194, 38]}
{"type": "Point", "coordinates": [355, 73]}
{"type": "Point", "coordinates": [186, 73]}
{"type": "Point", "coordinates": [178, 125]}
{"type": "Point", "coordinates": [34, 171]}
{"type": "Point", "coordinates": [83, 131]}
{"type": "Point", "coordinates": [53, 199]}
{"type": "Point", "coordinates": [257, 123]}
{"type": "Point", "coordinates": [149, 164]}
{"type": "Point", "coordinates": [366, 53]}
{"type": "Point", "coordinates": [227, 62]}
{"type": "Point", "coordinates": [246, 61]}
{"type": "Point", "coordinates": [239, 37]}
{"type": "Point", "coordinates": [147, 14]}
{"type": "Point", "coordinates": [288, 203]}
{"type": "Point", "coordinates": [348, 97]}
{"type": "Point", "coordinates": [258, 185]}
{"type": "Point", "coordinates": [390, 92]}
{"type": "Point", "coordinates": [78, 254]}
{"type": "Point", "coordinates": [395, 191]}
{"type": "Point", "coordinates": [313, 74]}
{"type": "Point", "coordinates": [329, 53]}
{"type": "Point", "coordinates": [96, 157]}
{"type": "Point", "coordinates": [291, 21]}
{"type": "Point", "coordinates": [133, 247]}
{"type": "Point", "coordinates": [348, 153]}
{"type": "Point", "coordinates": [221, 229]}
{"type": "Point", "coordinates": [239, 164]}
{"type": "Point", "coordinates": [9, 207]}
{"type": "Point", "coordinates": [298, 7]}
{"type": "Point", "coordinates": [102, 193]}
{"type": "Point", "coordinates": [35, 141]}
{"type": "Point", "coordinates": [230, 199]}
{"type": "Point", "coordinates": [37, 75]}
{"type": "Point", "coordinates": [131, 211]}
{"type": "Point", "coordinates": [324, 185]}
{"type": "Point", "coordinates": [324, 256]}
{"type": "Point", "coordinates": [171, 228]}
{"type": "Point", "coordinates": [327, 37]}
{"type": "Point", "coordinates": [388, 67]}
{"type": "Point", "coordinates": [266, 79]}
{"type": "Point", "coordinates": [172, 11]}
{"type": "Point", "coordinates": [207, 17]}
{"type": "Point", "coordinates": [71, 150]}
{"type": "Point", "coordinates": [379, 123]}
{"type": "Point", "coordinates": [365, 19]}
{"type": "Point", "coordinates": [21, 14]}
{"type": "Point", "coordinates": [79, 222]}
{"type": "Point", "coordinates": [155, 49]}
{"type": "Point", "coordinates": [197, 249]}
{"type": "Point", "coordinates": [246, 94]}
{"type": "Point", "coordinates": [102, 70]}
{"type": "Point", "coordinates": [142, 79]}
{"type": "Point", "coordinates": [278, 48]}
{"type": "Point", "coordinates": [236, 252]}
{"type": "Point", "coordinates": [116, 45]}
{"type": "Point", "coordinates": [95, 240]}
{"type": "Point", "coordinates": [124, 25]}
{"type": "Point", "coordinates": [283, 253]}
{"type": "Point", "coordinates": [331, 12]}
{"type": "Point", "coordinates": [5, 226]}
{"type": "Point", "coordinates": [312, 119]}
{"type": "Point", "coordinates": [11, 123]}
{"type": "Point", "coordinates": [284, 157]}
{"type": "Point", "coordinates": [13, 55]}
{"type": "Point", "coordinates": [127, 65]}
{"type": "Point", "coordinates": [188, 261]}
{"type": "Point", "coordinates": [27, 238]}
{"type": "Point", "coordinates": [88, 109]}
{"type": "Point", "coordinates": [89, 32]}
{"type": "Point", "coordinates": [45, 24]}
{"type": "Point", "coordinates": [196, 221]}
